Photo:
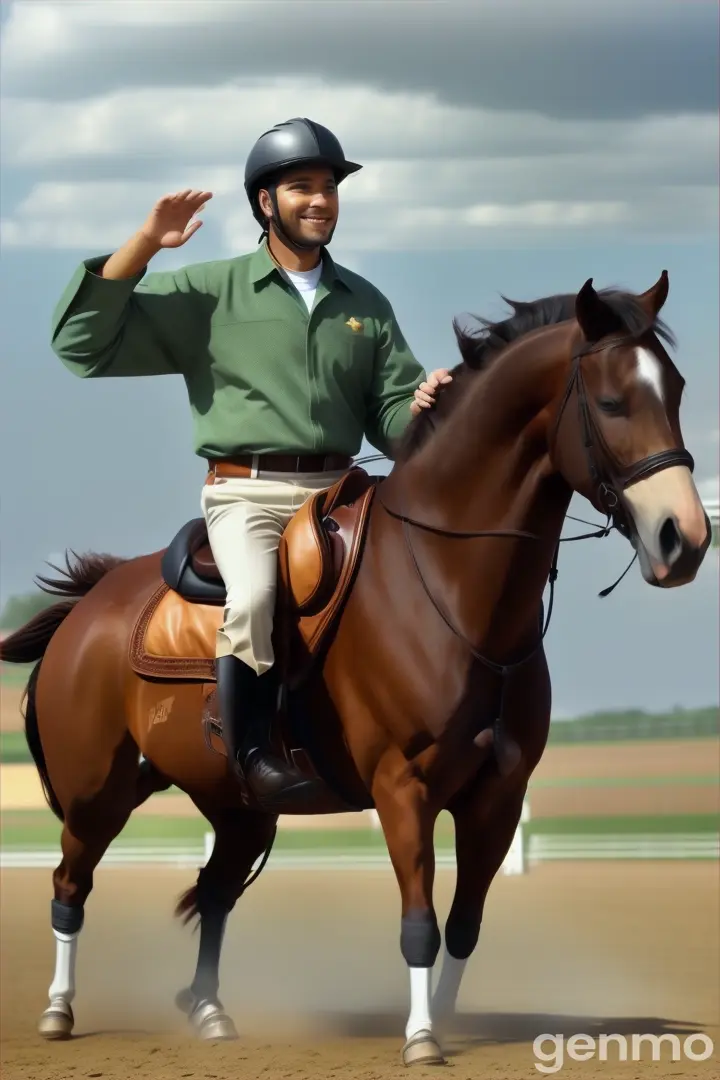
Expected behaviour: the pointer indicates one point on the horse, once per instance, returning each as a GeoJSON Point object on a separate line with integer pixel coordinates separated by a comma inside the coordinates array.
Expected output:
{"type": "Point", "coordinates": [410, 612]}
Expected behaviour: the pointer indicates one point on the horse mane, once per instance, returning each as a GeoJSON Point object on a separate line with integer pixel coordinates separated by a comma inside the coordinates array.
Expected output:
{"type": "Point", "coordinates": [481, 346]}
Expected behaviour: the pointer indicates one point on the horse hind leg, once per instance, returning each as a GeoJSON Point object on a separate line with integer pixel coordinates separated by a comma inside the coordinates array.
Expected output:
{"type": "Point", "coordinates": [241, 837]}
{"type": "Point", "coordinates": [73, 883]}
{"type": "Point", "coordinates": [482, 840]}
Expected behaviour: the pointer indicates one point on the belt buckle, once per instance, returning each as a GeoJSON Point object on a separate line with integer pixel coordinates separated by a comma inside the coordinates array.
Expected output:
{"type": "Point", "coordinates": [255, 462]}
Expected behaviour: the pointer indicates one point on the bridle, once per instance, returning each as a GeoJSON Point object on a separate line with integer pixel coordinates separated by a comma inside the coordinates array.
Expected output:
{"type": "Point", "coordinates": [608, 476]}
{"type": "Point", "coordinates": [609, 479]}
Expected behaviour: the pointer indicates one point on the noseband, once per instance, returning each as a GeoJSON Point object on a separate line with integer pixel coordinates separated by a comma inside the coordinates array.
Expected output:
{"type": "Point", "coordinates": [608, 477]}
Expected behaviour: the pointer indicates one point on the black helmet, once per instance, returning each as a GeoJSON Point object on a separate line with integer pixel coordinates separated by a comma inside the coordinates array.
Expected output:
{"type": "Point", "coordinates": [295, 142]}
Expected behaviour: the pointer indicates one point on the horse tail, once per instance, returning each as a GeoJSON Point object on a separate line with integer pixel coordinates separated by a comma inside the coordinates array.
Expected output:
{"type": "Point", "coordinates": [31, 640]}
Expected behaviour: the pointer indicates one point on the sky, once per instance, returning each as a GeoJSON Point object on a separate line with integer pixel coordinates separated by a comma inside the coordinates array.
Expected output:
{"type": "Point", "coordinates": [509, 148]}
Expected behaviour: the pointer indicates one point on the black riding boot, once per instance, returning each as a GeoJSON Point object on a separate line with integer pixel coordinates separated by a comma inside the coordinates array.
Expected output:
{"type": "Point", "coordinates": [248, 703]}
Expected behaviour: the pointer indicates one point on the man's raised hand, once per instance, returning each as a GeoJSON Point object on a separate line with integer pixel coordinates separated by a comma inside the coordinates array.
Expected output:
{"type": "Point", "coordinates": [169, 224]}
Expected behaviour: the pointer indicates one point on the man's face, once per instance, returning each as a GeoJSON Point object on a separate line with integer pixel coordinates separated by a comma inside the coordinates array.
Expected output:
{"type": "Point", "coordinates": [308, 202]}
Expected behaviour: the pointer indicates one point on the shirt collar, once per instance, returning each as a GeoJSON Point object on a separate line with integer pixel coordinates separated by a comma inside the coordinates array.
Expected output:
{"type": "Point", "coordinates": [263, 265]}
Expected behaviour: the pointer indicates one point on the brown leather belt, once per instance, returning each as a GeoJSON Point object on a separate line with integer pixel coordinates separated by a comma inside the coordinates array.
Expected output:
{"type": "Point", "coordinates": [251, 464]}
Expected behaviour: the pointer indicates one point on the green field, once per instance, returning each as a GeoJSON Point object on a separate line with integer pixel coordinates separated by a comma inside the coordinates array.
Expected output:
{"type": "Point", "coordinates": [28, 829]}
{"type": "Point", "coordinates": [14, 748]}
{"type": "Point", "coordinates": [15, 674]}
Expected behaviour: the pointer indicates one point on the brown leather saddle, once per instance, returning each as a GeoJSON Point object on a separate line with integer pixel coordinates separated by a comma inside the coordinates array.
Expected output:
{"type": "Point", "coordinates": [317, 559]}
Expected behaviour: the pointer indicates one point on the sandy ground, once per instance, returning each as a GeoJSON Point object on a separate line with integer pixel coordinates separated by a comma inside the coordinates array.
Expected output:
{"type": "Point", "coordinates": [313, 977]}
{"type": "Point", "coordinates": [666, 757]}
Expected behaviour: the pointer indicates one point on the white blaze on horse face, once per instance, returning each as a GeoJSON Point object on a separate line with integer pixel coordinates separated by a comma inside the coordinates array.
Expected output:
{"type": "Point", "coordinates": [668, 496]}
{"type": "Point", "coordinates": [649, 370]}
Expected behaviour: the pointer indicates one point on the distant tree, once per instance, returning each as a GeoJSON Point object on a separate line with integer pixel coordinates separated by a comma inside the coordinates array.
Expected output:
{"type": "Point", "coordinates": [22, 607]}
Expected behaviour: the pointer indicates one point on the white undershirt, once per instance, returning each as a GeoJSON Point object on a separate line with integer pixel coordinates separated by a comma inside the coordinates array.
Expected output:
{"type": "Point", "coordinates": [306, 282]}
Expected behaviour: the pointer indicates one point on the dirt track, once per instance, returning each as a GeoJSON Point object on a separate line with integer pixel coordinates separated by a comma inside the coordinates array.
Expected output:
{"type": "Point", "coordinates": [314, 980]}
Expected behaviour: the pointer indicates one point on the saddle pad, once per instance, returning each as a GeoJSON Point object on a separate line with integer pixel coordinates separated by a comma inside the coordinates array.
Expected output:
{"type": "Point", "coordinates": [174, 638]}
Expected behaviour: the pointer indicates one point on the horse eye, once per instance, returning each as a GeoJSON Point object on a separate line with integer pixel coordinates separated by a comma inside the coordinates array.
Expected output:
{"type": "Point", "coordinates": [610, 405]}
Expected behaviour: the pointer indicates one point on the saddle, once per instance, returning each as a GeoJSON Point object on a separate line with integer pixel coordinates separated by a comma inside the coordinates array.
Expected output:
{"type": "Point", "coordinates": [317, 559]}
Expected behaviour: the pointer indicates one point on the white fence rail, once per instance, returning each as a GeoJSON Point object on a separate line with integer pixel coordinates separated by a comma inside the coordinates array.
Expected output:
{"type": "Point", "coordinates": [525, 853]}
{"type": "Point", "coordinates": [528, 849]}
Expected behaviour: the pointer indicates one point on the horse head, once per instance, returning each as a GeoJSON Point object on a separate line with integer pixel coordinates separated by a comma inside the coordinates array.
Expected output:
{"type": "Point", "coordinates": [617, 438]}
{"type": "Point", "coordinates": [571, 393]}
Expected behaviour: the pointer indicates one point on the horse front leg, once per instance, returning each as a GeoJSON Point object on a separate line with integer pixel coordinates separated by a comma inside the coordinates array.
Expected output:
{"type": "Point", "coordinates": [486, 818]}
{"type": "Point", "coordinates": [408, 819]}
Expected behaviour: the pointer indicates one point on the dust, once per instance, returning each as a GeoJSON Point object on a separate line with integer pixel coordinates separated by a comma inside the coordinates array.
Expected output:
{"type": "Point", "coordinates": [313, 977]}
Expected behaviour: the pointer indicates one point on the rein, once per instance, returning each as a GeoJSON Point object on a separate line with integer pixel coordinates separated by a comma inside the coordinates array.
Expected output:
{"type": "Point", "coordinates": [499, 669]}
{"type": "Point", "coordinates": [608, 477]}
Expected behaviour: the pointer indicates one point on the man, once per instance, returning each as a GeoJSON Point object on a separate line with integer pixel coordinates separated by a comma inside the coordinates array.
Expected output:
{"type": "Point", "coordinates": [288, 360]}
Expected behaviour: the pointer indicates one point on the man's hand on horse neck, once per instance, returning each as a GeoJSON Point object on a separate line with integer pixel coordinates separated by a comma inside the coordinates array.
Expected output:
{"type": "Point", "coordinates": [425, 393]}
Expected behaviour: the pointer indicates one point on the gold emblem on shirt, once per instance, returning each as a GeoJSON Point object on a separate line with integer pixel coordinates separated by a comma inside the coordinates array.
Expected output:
{"type": "Point", "coordinates": [354, 325]}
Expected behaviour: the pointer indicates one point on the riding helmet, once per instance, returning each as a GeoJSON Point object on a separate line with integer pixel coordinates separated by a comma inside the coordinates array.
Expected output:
{"type": "Point", "coordinates": [295, 142]}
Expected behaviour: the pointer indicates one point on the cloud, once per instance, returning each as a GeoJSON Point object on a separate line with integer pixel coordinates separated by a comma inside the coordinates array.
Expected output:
{"type": "Point", "coordinates": [213, 123]}
{"type": "Point", "coordinates": [447, 178]}
{"type": "Point", "coordinates": [614, 59]}
{"type": "Point", "coordinates": [442, 169]}
{"type": "Point", "coordinates": [431, 214]}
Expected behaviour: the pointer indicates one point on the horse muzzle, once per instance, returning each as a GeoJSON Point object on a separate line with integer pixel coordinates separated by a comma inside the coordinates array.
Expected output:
{"type": "Point", "coordinates": [669, 527]}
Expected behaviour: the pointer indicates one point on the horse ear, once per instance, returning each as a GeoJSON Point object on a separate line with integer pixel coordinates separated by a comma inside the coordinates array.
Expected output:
{"type": "Point", "coordinates": [595, 318]}
{"type": "Point", "coordinates": [652, 301]}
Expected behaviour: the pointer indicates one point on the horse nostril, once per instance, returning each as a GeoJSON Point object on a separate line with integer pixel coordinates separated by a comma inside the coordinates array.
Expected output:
{"type": "Point", "coordinates": [670, 540]}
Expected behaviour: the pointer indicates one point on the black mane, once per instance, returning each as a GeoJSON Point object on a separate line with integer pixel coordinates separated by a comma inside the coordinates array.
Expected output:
{"type": "Point", "coordinates": [478, 348]}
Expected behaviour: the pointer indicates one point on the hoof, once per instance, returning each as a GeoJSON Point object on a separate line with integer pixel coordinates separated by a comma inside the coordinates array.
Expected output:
{"type": "Point", "coordinates": [217, 1028]}
{"type": "Point", "coordinates": [422, 1049]}
{"type": "Point", "coordinates": [57, 1021]}
{"type": "Point", "coordinates": [209, 1020]}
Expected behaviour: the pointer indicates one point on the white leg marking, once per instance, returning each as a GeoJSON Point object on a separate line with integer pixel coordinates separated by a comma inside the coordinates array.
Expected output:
{"type": "Point", "coordinates": [63, 984]}
{"type": "Point", "coordinates": [650, 371]}
{"type": "Point", "coordinates": [58, 1021]}
{"type": "Point", "coordinates": [421, 1047]}
{"type": "Point", "coordinates": [419, 1019]}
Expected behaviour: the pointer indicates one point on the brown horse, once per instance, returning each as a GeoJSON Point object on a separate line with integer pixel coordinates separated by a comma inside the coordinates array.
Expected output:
{"type": "Point", "coordinates": [428, 688]}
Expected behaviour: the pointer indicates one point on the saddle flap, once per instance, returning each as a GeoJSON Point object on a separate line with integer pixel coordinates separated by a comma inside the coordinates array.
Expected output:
{"type": "Point", "coordinates": [313, 546]}
{"type": "Point", "coordinates": [306, 562]}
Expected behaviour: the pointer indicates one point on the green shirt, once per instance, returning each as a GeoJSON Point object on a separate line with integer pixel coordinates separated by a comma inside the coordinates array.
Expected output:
{"type": "Point", "coordinates": [263, 374]}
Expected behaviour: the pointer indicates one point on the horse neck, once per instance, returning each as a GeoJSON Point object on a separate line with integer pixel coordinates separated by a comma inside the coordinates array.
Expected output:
{"type": "Point", "coordinates": [487, 462]}
{"type": "Point", "coordinates": [487, 467]}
